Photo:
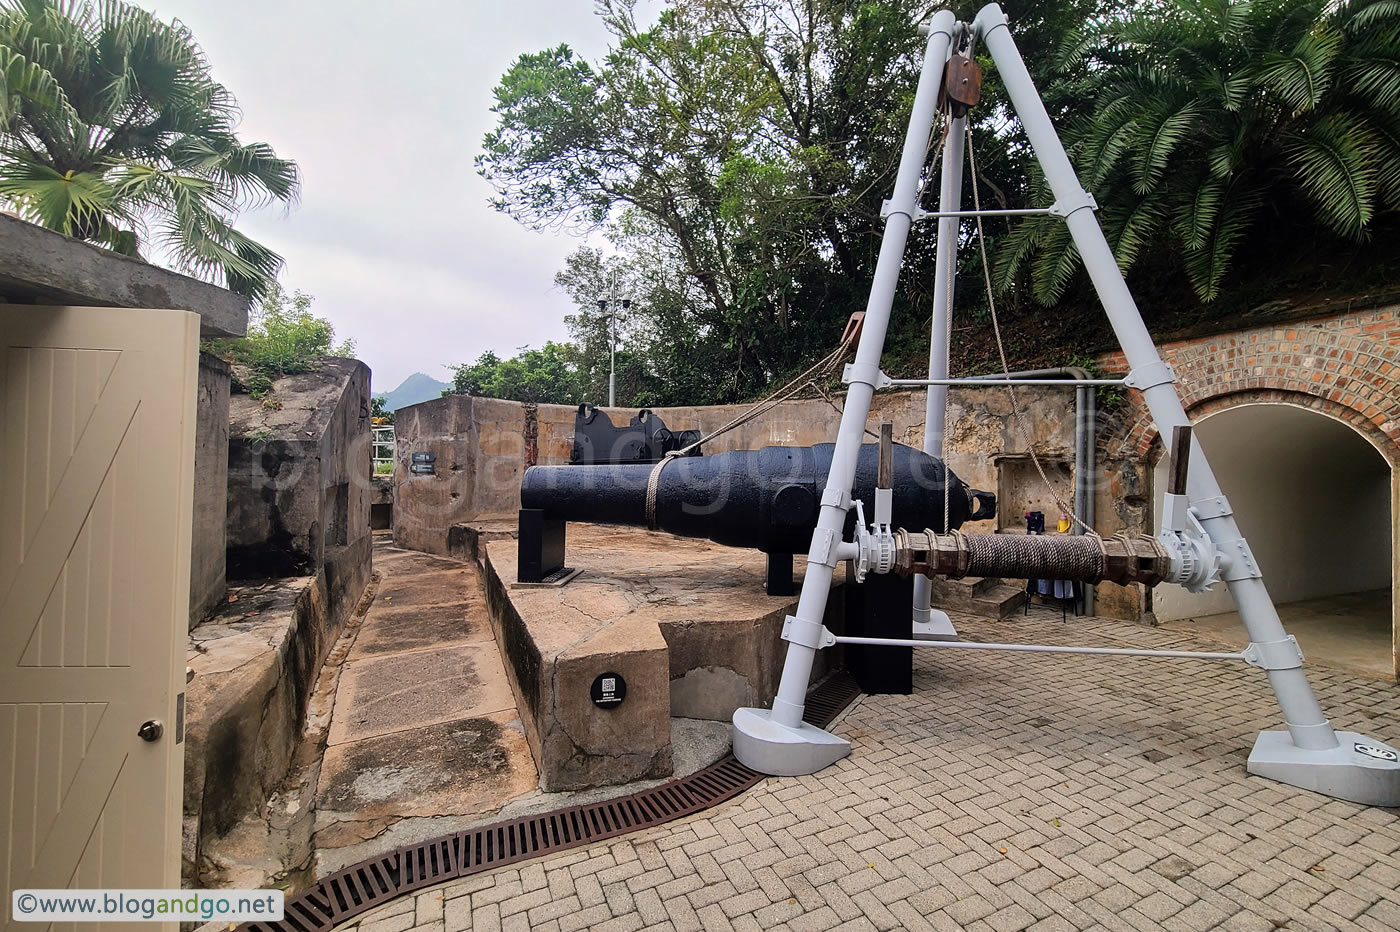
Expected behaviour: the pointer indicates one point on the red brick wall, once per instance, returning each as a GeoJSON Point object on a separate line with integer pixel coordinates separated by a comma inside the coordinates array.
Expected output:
{"type": "Point", "coordinates": [1346, 366]}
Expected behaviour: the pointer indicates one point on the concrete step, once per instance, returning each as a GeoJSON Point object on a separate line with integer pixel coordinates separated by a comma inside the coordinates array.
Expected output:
{"type": "Point", "coordinates": [985, 596]}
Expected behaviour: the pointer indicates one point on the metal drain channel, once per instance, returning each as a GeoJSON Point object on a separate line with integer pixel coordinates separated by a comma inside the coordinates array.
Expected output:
{"type": "Point", "coordinates": [345, 894]}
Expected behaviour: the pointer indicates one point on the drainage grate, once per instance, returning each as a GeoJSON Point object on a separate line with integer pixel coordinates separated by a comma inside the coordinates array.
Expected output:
{"type": "Point", "coordinates": [345, 894]}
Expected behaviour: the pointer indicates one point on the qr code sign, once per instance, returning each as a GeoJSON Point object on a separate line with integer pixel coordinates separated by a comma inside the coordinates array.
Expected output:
{"type": "Point", "coordinates": [609, 684]}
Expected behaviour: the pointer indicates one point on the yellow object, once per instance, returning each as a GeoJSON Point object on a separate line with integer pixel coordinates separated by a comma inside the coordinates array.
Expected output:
{"type": "Point", "coordinates": [1062, 525]}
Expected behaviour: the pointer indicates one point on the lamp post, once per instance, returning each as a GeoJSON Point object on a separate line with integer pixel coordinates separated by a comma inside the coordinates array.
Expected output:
{"type": "Point", "coordinates": [603, 305]}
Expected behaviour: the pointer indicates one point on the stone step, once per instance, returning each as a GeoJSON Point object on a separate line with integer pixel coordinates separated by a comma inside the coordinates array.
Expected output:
{"type": "Point", "coordinates": [985, 596]}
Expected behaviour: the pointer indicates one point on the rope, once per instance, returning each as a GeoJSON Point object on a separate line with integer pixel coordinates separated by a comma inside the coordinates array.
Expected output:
{"type": "Point", "coordinates": [652, 481]}
{"type": "Point", "coordinates": [1001, 349]}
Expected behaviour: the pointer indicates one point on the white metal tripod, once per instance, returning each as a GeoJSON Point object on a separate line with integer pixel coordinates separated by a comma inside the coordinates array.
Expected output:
{"type": "Point", "coordinates": [1309, 753]}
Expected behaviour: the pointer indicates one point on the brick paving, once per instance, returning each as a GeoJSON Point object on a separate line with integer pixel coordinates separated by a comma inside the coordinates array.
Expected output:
{"type": "Point", "coordinates": [1010, 791]}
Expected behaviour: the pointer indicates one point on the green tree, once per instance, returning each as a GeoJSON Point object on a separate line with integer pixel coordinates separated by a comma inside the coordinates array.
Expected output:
{"type": "Point", "coordinates": [1207, 123]}
{"type": "Point", "coordinates": [736, 154]}
{"type": "Point", "coordinates": [745, 139]}
{"type": "Point", "coordinates": [113, 130]}
{"type": "Point", "coordinates": [284, 338]}
{"type": "Point", "coordinates": [546, 375]}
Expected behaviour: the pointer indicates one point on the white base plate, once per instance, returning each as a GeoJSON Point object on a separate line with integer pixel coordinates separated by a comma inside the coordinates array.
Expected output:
{"type": "Point", "coordinates": [1359, 770]}
{"type": "Point", "coordinates": [939, 627]}
{"type": "Point", "coordinates": [781, 750]}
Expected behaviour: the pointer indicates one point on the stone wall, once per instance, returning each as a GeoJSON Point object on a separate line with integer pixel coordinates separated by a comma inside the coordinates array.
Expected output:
{"type": "Point", "coordinates": [207, 556]}
{"type": "Point", "coordinates": [483, 446]}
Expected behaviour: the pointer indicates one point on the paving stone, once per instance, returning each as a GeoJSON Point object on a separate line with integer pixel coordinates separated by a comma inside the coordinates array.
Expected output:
{"type": "Point", "coordinates": [940, 781]}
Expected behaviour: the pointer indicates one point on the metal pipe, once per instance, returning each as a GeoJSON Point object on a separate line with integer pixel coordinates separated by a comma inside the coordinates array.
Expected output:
{"type": "Point", "coordinates": [944, 278]}
{"type": "Point", "coordinates": [1048, 648]}
{"type": "Point", "coordinates": [612, 343]}
{"type": "Point", "coordinates": [1307, 726]}
{"type": "Point", "coordinates": [980, 381]}
{"type": "Point", "coordinates": [1011, 212]}
{"type": "Point", "coordinates": [816, 582]}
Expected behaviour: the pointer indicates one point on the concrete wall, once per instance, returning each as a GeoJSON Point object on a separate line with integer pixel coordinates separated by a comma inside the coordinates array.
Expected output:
{"type": "Point", "coordinates": [381, 503]}
{"type": "Point", "coordinates": [298, 471]}
{"type": "Point", "coordinates": [1311, 496]}
{"type": "Point", "coordinates": [298, 497]}
{"type": "Point", "coordinates": [299, 482]}
{"type": "Point", "coordinates": [207, 558]}
{"type": "Point", "coordinates": [484, 445]}
{"type": "Point", "coordinates": [39, 266]}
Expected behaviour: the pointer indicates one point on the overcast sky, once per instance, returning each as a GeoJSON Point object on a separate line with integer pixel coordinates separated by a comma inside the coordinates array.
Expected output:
{"type": "Point", "coordinates": [384, 105]}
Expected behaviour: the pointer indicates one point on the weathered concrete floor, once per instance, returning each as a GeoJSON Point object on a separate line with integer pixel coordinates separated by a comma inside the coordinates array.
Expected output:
{"type": "Point", "coordinates": [424, 733]}
{"type": "Point", "coordinates": [1010, 791]}
{"type": "Point", "coordinates": [1351, 631]}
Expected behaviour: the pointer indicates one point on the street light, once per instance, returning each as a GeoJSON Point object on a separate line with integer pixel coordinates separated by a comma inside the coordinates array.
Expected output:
{"type": "Point", "coordinates": [612, 336]}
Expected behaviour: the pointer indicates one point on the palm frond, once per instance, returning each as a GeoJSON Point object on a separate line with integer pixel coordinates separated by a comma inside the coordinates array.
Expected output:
{"type": "Point", "coordinates": [25, 81]}
{"type": "Point", "coordinates": [1054, 265]}
{"type": "Point", "coordinates": [1130, 233]}
{"type": "Point", "coordinates": [1334, 159]}
{"type": "Point", "coordinates": [66, 202]}
{"type": "Point", "coordinates": [1017, 248]}
{"type": "Point", "coordinates": [1196, 215]}
{"type": "Point", "coordinates": [1207, 263]}
{"type": "Point", "coordinates": [1159, 140]}
{"type": "Point", "coordinates": [1360, 16]}
{"type": "Point", "coordinates": [1301, 77]}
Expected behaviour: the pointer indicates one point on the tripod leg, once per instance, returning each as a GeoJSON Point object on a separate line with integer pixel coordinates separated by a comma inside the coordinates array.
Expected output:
{"type": "Point", "coordinates": [778, 741]}
{"type": "Point", "coordinates": [930, 623]}
{"type": "Point", "coordinates": [1309, 754]}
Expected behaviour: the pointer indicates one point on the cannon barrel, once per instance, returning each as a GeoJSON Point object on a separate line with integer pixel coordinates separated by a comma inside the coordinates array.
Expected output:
{"type": "Point", "coordinates": [765, 499]}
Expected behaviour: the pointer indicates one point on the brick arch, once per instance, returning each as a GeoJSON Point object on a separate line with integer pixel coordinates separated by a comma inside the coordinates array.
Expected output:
{"type": "Point", "coordinates": [1384, 444]}
{"type": "Point", "coordinates": [1345, 376]}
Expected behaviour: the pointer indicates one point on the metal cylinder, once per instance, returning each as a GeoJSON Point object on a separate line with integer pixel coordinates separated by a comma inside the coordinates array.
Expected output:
{"type": "Point", "coordinates": [1120, 559]}
{"type": "Point", "coordinates": [765, 499]}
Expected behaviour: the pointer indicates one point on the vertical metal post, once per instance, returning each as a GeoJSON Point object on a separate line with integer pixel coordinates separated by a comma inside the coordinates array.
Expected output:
{"type": "Point", "coordinates": [926, 624]}
{"type": "Point", "coordinates": [770, 742]}
{"type": "Point", "coordinates": [1306, 723]}
{"type": "Point", "coordinates": [612, 342]}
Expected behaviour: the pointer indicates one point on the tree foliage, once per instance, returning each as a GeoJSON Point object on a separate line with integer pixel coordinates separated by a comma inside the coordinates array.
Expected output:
{"type": "Point", "coordinates": [113, 130]}
{"type": "Point", "coordinates": [284, 338]}
{"type": "Point", "coordinates": [546, 375]}
{"type": "Point", "coordinates": [735, 154]}
{"type": "Point", "coordinates": [1207, 122]}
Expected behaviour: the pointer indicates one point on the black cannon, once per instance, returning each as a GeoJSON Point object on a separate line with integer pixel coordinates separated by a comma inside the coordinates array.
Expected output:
{"type": "Point", "coordinates": [765, 499]}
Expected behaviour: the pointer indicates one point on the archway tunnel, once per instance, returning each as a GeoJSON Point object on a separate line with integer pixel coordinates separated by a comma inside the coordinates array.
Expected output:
{"type": "Point", "coordinates": [1313, 498]}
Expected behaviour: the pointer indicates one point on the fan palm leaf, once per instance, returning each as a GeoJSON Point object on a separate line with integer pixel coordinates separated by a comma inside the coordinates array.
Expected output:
{"type": "Point", "coordinates": [113, 129]}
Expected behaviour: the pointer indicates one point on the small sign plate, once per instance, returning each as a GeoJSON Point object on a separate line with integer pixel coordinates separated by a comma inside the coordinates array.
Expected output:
{"type": "Point", "coordinates": [423, 463]}
{"type": "Point", "coordinates": [608, 691]}
{"type": "Point", "coordinates": [1376, 751]}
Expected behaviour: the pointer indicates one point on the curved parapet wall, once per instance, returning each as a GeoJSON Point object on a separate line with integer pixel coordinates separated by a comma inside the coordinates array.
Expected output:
{"type": "Point", "coordinates": [481, 448]}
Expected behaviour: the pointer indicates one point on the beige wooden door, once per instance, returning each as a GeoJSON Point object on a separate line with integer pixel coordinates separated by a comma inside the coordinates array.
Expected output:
{"type": "Point", "coordinates": [97, 410]}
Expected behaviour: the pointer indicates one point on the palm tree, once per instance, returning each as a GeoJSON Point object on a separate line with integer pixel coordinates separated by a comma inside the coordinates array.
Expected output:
{"type": "Point", "coordinates": [113, 130]}
{"type": "Point", "coordinates": [1200, 117]}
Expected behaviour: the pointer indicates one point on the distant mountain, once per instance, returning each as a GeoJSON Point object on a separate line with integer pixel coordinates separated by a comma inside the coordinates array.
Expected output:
{"type": "Point", "coordinates": [417, 387]}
